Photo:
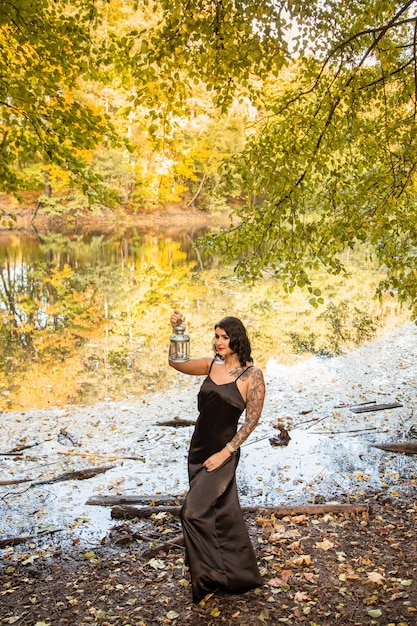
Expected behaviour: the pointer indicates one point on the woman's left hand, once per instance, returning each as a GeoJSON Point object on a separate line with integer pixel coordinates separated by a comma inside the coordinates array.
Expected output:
{"type": "Point", "coordinates": [215, 460]}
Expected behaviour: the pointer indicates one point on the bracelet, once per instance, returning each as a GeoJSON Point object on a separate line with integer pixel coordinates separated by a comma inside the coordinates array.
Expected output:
{"type": "Point", "coordinates": [230, 448]}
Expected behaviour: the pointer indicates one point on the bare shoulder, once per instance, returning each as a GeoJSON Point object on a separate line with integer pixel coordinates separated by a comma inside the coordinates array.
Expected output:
{"type": "Point", "coordinates": [253, 374]}
{"type": "Point", "coordinates": [256, 374]}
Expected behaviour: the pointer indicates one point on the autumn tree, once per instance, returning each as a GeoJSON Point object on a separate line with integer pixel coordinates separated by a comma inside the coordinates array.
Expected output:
{"type": "Point", "coordinates": [332, 161]}
{"type": "Point", "coordinates": [47, 48]}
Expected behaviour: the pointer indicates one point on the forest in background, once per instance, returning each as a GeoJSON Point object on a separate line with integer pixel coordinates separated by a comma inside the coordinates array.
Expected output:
{"type": "Point", "coordinates": [299, 117]}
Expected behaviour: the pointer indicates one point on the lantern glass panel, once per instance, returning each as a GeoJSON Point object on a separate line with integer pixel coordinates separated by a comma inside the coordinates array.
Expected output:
{"type": "Point", "coordinates": [179, 349]}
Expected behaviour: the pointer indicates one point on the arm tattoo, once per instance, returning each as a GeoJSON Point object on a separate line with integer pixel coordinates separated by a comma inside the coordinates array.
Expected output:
{"type": "Point", "coordinates": [254, 404]}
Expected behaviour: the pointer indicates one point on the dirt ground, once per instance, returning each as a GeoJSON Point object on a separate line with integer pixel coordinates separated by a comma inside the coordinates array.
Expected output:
{"type": "Point", "coordinates": [321, 570]}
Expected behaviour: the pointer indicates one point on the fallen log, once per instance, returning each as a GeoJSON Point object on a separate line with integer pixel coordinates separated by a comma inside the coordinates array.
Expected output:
{"type": "Point", "coordinates": [177, 422]}
{"type": "Point", "coordinates": [18, 450]}
{"type": "Point", "coordinates": [109, 457]}
{"type": "Point", "coordinates": [342, 432]}
{"type": "Point", "coordinates": [14, 541]}
{"type": "Point", "coordinates": [349, 406]}
{"type": "Point", "coordinates": [120, 500]}
{"type": "Point", "coordinates": [82, 474]}
{"type": "Point", "coordinates": [130, 512]}
{"type": "Point", "coordinates": [375, 407]}
{"type": "Point", "coordinates": [11, 454]}
{"type": "Point", "coordinates": [408, 447]}
{"type": "Point", "coordinates": [16, 481]}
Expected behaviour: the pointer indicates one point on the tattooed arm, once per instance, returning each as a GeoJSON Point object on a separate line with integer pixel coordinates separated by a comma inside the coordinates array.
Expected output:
{"type": "Point", "coordinates": [254, 403]}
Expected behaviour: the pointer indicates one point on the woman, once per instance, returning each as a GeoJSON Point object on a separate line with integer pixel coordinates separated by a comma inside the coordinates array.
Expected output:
{"type": "Point", "coordinates": [218, 549]}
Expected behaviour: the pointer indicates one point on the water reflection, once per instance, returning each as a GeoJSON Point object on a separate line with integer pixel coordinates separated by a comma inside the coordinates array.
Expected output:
{"type": "Point", "coordinates": [85, 317]}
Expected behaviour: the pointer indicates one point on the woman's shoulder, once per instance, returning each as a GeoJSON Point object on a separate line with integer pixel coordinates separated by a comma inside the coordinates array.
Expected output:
{"type": "Point", "coordinates": [254, 372]}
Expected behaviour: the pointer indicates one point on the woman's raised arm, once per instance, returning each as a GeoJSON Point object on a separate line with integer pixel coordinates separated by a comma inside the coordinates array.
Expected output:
{"type": "Point", "coordinates": [194, 367]}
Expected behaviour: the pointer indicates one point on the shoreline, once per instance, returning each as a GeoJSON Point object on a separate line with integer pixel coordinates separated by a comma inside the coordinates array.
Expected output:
{"type": "Point", "coordinates": [331, 454]}
{"type": "Point", "coordinates": [171, 216]}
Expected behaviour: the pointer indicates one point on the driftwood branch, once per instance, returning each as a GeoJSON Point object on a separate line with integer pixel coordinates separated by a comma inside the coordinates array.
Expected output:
{"type": "Point", "coordinates": [120, 500]}
{"type": "Point", "coordinates": [177, 541]}
{"type": "Point", "coordinates": [342, 432]}
{"type": "Point", "coordinates": [177, 422]}
{"type": "Point", "coordinates": [14, 541]}
{"type": "Point", "coordinates": [18, 450]}
{"type": "Point", "coordinates": [82, 474]}
{"type": "Point", "coordinates": [109, 457]}
{"type": "Point", "coordinates": [408, 447]}
{"type": "Point", "coordinates": [16, 481]}
{"type": "Point", "coordinates": [131, 512]}
{"type": "Point", "coordinates": [375, 407]}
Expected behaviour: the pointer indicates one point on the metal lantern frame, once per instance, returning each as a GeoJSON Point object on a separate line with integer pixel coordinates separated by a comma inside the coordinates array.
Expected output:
{"type": "Point", "coordinates": [179, 346]}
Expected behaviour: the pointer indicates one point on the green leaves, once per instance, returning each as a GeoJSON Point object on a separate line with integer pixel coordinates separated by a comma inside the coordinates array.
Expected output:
{"type": "Point", "coordinates": [331, 155]}
{"type": "Point", "coordinates": [333, 164]}
{"type": "Point", "coordinates": [46, 50]}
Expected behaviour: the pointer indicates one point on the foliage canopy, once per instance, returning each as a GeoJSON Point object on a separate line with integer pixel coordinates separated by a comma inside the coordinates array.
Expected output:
{"type": "Point", "coordinates": [331, 160]}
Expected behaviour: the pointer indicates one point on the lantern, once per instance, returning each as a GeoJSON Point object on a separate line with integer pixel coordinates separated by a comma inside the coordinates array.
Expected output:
{"type": "Point", "coordinates": [179, 347]}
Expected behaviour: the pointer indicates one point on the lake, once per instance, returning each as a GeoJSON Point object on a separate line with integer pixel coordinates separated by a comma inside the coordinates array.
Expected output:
{"type": "Point", "coordinates": [85, 318]}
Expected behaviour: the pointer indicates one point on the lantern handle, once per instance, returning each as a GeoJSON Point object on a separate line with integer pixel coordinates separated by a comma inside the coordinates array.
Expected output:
{"type": "Point", "coordinates": [177, 318]}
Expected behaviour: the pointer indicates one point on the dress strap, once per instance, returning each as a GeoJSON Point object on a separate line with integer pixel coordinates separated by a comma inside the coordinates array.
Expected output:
{"type": "Point", "coordinates": [211, 365]}
{"type": "Point", "coordinates": [245, 370]}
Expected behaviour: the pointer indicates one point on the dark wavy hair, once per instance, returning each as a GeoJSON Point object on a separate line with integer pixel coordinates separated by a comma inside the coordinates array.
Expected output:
{"type": "Point", "coordinates": [239, 341]}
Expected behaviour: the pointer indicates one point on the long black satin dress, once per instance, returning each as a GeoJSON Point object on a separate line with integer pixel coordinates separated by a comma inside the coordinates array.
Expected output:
{"type": "Point", "coordinates": [218, 549]}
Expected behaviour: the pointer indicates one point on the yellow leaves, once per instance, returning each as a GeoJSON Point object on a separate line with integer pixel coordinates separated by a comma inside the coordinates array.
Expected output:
{"type": "Point", "coordinates": [299, 561]}
{"type": "Point", "coordinates": [171, 615]}
{"type": "Point", "coordinates": [282, 534]}
{"type": "Point", "coordinates": [265, 522]}
{"type": "Point", "coordinates": [263, 616]}
{"type": "Point", "coordinates": [295, 546]}
{"type": "Point", "coordinates": [361, 476]}
{"type": "Point", "coordinates": [157, 564]}
{"type": "Point", "coordinates": [324, 545]}
{"type": "Point", "coordinates": [15, 618]}
{"type": "Point", "coordinates": [349, 574]}
{"type": "Point", "coordinates": [89, 555]}
{"type": "Point", "coordinates": [30, 559]}
{"type": "Point", "coordinates": [300, 519]}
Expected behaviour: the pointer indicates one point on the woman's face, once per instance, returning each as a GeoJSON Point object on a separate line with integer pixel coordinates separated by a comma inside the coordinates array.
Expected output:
{"type": "Point", "coordinates": [221, 342]}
